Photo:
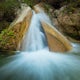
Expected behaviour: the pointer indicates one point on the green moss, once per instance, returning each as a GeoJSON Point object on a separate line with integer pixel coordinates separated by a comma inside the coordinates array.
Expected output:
{"type": "Point", "coordinates": [31, 3]}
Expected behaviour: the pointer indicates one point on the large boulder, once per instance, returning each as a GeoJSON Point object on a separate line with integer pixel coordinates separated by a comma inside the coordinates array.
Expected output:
{"type": "Point", "coordinates": [10, 39]}
{"type": "Point", "coordinates": [56, 41]}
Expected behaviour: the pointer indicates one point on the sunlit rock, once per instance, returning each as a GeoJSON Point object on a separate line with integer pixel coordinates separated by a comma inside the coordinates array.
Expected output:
{"type": "Point", "coordinates": [39, 8]}
{"type": "Point", "coordinates": [56, 41]}
{"type": "Point", "coordinates": [18, 27]}
{"type": "Point", "coordinates": [35, 39]}
{"type": "Point", "coordinates": [23, 23]}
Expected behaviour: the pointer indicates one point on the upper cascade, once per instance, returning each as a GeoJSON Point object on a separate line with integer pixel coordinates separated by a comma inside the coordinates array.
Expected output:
{"type": "Point", "coordinates": [35, 38]}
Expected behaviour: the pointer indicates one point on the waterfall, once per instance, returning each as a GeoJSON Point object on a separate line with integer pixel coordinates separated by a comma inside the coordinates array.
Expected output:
{"type": "Point", "coordinates": [35, 38]}
{"type": "Point", "coordinates": [36, 62]}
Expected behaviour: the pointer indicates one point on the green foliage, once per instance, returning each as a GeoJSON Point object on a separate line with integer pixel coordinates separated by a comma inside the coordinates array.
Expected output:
{"type": "Point", "coordinates": [8, 7]}
{"type": "Point", "coordinates": [29, 2]}
{"type": "Point", "coordinates": [71, 6]}
{"type": "Point", "coordinates": [8, 4]}
{"type": "Point", "coordinates": [7, 12]}
{"type": "Point", "coordinates": [47, 8]}
{"type": "Point", "coordinates": [5, 35]}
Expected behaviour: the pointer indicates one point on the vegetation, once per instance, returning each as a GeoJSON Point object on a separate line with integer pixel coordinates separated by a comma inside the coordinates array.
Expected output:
{"type": "Point", "coordinates": [9, 37]}
{"type": "Point", "coordinates": [7, 12]}
{"type": "Point", "coordinates": [47, 7]}
{"type": "Point", "coordinates": [8, 9]}
{"type": "Point", "coordinates": [72, 5]}
{"type": "Point", "coordinates": [5, 38]}
{"type": "Point", "coordinates": [29, 2]}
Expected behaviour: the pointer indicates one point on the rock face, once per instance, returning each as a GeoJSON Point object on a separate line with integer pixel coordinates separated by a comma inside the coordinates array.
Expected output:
{"type": "Point", "coordinates": [68, 23]}
{"type": "Point", "coordinates": [56, 41]}
{"type": "Point", "coordinates": [55, 3]}
{"type": "Point", "coordinates": [16, 31]}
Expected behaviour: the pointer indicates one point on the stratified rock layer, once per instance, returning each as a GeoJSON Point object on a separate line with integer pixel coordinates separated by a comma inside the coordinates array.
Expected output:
{"type": "Point", "coordinates": [56, 41]}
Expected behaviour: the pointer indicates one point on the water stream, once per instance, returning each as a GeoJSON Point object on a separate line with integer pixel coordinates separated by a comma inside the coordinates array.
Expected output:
{"type": "Point", "coordinates": [36, 62]}
{"type": "Point", "coordinates": [35, 39]}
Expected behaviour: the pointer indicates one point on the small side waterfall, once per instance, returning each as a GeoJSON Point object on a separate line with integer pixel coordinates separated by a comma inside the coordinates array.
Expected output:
{"type": "Point", "coordinates": [35, 38]}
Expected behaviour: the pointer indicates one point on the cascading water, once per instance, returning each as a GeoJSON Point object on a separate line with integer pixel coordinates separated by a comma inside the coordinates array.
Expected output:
{"type": "Point", "coordinates": [41, 64]}
{"type": "Point", "coordinates": [35, 39]}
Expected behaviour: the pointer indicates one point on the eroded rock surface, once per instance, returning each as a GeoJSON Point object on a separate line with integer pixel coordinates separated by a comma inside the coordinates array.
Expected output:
{"type": "Point", "coordinates": [56, 41]}
{"type": "Point", "coordinates": [11, 38]}
{"type": "Point", "coordinates": [68, 23]}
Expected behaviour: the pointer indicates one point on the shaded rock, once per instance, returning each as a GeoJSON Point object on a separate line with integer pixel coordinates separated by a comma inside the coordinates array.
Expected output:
{"type": "Point", "coordinates": [68, 23]}
{"type": "Point", "coordinates": [55, 3]}
{"type": "Point", "coordinates": [9, 15]}
{"type": "Point", "coordinates": [1, 15]}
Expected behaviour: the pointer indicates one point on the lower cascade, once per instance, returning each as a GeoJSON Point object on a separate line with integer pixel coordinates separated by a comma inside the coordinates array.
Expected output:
{"type": "Point", "coordinates": [36, 62]}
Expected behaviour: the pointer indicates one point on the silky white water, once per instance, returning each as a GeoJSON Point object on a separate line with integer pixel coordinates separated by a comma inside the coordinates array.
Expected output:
{"type": "Point", "coordinates": [37, 62]}
{"type": "Point", "coordinates": [41, 65]}
{"type": "Point", "coordinates": [35, 38]}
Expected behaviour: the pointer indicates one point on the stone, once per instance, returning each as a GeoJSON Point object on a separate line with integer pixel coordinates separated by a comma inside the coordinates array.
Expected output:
{"type": "Point", "coordinates": [19, 26]}
{"type": "Point", "coordinates": [56, 41]}
{"type": "Point", "coordinates": [68, 23]}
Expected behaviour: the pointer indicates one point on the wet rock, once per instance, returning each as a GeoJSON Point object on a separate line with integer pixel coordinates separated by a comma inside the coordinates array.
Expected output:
{"type": "Point", "coordinates": [54, 38]}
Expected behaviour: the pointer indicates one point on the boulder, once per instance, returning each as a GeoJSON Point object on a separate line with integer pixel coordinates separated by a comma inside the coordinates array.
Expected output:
{"type": "Point", "coordinates": [68, 23]}
{"type": "Point", "coordinates": [56, 41]}
{"type": "Point", "coordinates": [15, 33]}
